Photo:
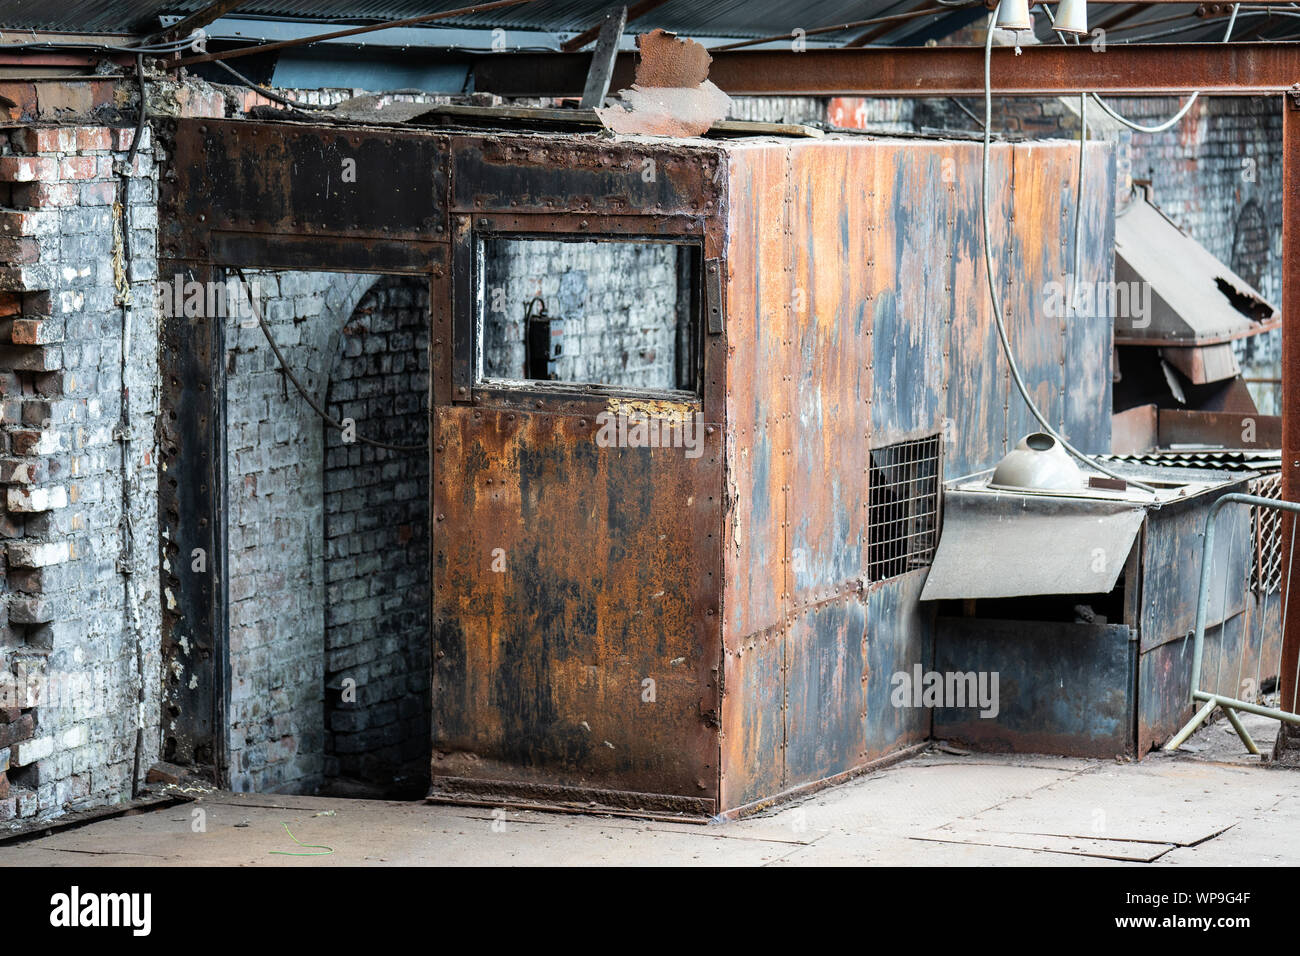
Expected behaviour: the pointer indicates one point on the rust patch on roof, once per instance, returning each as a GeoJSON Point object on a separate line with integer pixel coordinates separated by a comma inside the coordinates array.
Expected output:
{"type": "Point", "coordinates": [672, 95]}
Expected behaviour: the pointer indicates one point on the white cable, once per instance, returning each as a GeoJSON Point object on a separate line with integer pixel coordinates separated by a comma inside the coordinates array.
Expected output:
{"type": "Point", "coordinates": [993, 291]}
{"type": "Point", "coordinates": [1186, 106]}
{"type": "Point", "coordinates": [1138, 126]}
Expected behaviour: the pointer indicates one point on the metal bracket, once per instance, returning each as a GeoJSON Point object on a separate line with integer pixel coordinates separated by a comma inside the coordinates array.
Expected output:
{"type": "Point", "coordinates": [713, 294]}
{"type": "Point", "coordinates": [1293, 96]}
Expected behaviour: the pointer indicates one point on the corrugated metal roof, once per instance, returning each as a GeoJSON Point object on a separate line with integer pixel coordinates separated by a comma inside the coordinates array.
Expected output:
{"type": "Point", "coordinates": [718, 18]}
{"type": "Point", "coordinates": [735, 18]}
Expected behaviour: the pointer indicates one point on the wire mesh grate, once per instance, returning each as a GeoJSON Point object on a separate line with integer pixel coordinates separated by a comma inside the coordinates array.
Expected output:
{"type": "Point", "coordinates": [903, 507]}
{"type": "Point", "coordinates": [1266, 537]}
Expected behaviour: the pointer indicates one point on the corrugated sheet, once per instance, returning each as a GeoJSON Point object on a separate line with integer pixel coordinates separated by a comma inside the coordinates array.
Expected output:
{"type": "Point", "coordinates": [720, 18]}
{"type": "Point", "coordinates": [1222, 461]}
{"type": "Point", "coordinates": [731, 18]}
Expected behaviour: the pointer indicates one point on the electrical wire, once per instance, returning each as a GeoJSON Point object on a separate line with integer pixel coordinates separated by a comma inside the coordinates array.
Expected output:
{"type": "Point", "coordinates": [173, 46]}
{"type": "Point", "coordinates": [1173, 120]}
{"type": "Point", "coordinates": [123, 266]}
{"type": "Point", "coordinates": [1195, 26]}
{"type": "Point", "coordinates": [315, 406]}
{"type": "Point", "coordinates": [998, 319]}
{"type": "Point", "coordinates": [262, 91]}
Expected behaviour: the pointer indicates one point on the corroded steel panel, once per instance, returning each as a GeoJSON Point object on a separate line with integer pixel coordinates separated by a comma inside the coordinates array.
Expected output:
{"type": "Point", "coordinates": [566, 576]}
{"type": "Point", "coordinates": [753, 709]}
{"type": "Point", "coordinates": [832, 198]}
{"type": "Point", "coordinates": [1165, 691]}
{"type": "Point", "coordinates": [978, 384]}
{"type": "Point", "coordinates": [1165, 679]}
{"type": "Point", "coordinates": [581, 173]}
{"type": "Point", "coordinates": [858, 316]}
{"type": "Point", "coordinates": [900, 635]}
{"type": "Point", "coordinates": [1172, 545]}
{"type": "Point", "coordinates": [825, 690]}
{"type": "Point", "coordinates": [1062, 688]}
{"type": "Point", "coordinates": [304, 181]}
{"type": "Point", "coordinates": [758, 393]}
{"type": "Point", "coordinates": [912, 253]}
{"type": "Point", "coordinates": [1037, 252]}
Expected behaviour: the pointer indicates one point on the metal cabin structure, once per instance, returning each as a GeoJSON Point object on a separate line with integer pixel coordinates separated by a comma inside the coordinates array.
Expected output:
{"type": "Point", "coordinates": [844, 361]}
{"type": "Point", "coordinates": [768, 588]}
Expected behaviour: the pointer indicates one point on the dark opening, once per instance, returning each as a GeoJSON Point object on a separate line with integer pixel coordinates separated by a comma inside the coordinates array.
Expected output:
{"type": "Point", "coordinates": [903, 507]}
{"type": "Point", "coordinates": [377, 668]}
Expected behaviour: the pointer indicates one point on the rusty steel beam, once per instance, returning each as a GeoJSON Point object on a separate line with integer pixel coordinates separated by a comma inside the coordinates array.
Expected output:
{"type": "Point", "coordinates": [199, 19]}
{"type": "Point", "coordinates": [1290, 386]}
{"type": "Point", "coordinates": [1152, 69]}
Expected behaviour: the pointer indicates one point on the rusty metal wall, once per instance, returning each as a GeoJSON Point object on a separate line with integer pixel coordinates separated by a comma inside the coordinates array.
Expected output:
{"type": "Point", "coordinates": [241, 193]}
{"type": "Point", "coordinates": [1062, 688]}
{"type": "Point", "coordinates": [1172, 543]}
{"type": "Point", "coordinates": [858, 316]}
{"type": "Point", "coordinates": [612, 564]}
{"type": "Point", "coordinates": [855, 314]}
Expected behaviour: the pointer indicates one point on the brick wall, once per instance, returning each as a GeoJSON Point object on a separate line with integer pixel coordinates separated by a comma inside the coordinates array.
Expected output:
{"type": "Point", "coordinates": [328, 540]}
{"type": "Point", "coordinates": [377, 545]}
{"type": "Point", "coordinates": [79, 621]}
{"type": "Point", "coordinates": [1218, 174]}
{"type": "Point", "coordinates": [276, 529]}
{"type": "Point", "coordinates": [616, 331]}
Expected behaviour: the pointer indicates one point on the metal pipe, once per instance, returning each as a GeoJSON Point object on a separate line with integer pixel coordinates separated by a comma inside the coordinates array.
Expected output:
{"type": "Point", "coordinates": [1231, 714]}
{"type": "Point", "coordinates": [1290, 370]}
{"type": "Point", "coordinates": [1218, 700]}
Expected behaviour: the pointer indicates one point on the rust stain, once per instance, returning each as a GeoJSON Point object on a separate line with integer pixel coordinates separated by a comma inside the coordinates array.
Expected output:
{"type": "Point", "coordinates": [672, 95]}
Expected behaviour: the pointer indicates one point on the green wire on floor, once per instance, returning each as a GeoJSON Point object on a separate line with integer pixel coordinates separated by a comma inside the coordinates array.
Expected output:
{"type": "Point", "coordinates": [310, 846]}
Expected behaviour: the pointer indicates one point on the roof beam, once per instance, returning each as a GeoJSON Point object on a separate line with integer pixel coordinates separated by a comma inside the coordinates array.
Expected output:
{"type": "Point", "coordinates": [1048, 69]}
{"type": "Point", "coordinates": [199, 19]}
{"type": "Point", "coordinates": [636, 10]}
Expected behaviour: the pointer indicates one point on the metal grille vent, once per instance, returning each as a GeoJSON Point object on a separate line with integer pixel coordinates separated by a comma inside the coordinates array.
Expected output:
{"type": "Point", "coordinates": [903, 507]}
{"type": "Point", "coordinates": [1266, 537]}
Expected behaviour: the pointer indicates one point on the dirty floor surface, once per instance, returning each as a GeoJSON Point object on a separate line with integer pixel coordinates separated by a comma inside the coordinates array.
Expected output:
{"type": "Point", "coordinates": [1214, 807]}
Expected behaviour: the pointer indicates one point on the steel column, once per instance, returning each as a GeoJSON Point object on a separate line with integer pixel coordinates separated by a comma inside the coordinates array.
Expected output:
{"type": "Point", "coordinates": [1290, 373]}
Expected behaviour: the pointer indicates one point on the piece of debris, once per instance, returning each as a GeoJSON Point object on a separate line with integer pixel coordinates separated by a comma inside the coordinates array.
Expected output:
{"type": "Point", "coordinates": [164, 772]}
{"type": "Point", "coordinates": [672, 94]}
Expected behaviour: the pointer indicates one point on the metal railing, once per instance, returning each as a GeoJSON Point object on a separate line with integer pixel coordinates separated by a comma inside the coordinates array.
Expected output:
{"type": "Point", "coordinates": [1212, 699]}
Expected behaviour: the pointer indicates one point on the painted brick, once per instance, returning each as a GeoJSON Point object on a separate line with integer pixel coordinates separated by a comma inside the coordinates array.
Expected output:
{"type": "Point", "coordinates": [28, 169]}
{"type": "Point", "coordinates": [27, 500]}
{"type": "Point", "coordinates": [44, 139]}
{"type": "Point", "coordinates": [30, 751]}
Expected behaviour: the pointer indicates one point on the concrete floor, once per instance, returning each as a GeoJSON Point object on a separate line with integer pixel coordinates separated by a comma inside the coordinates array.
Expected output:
{"type": "Point", "coordinates": [1215, 807]}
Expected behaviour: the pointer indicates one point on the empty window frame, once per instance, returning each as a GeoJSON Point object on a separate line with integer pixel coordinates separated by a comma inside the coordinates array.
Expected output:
{"type": "Point", "coordinates": [903, 507]}
{"type": "Point", "coordinates": [613, 313]}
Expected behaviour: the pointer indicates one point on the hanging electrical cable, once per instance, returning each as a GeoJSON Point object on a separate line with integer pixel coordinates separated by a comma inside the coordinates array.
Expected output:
{"type": "Point", "coordinates": [994, 300]}
{"type": "Point", "coordinates": [263, 91]}
{"type": "Point", "coordinates": [1173, 120]}
{"type": "Point", "coordinates": [122, 266]}
{"type": "Point", "coordinates": [298, 386]}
